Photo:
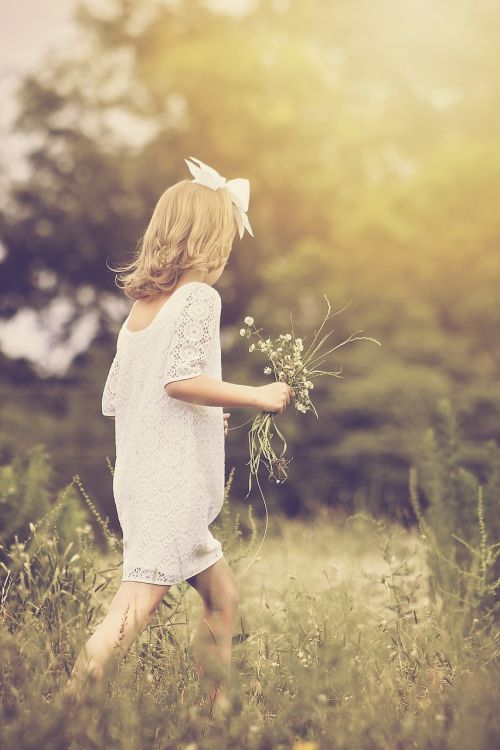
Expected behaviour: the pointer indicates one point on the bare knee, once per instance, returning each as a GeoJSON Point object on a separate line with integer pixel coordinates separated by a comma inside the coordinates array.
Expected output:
{"type": "Point", "coordinates": [225, 601]}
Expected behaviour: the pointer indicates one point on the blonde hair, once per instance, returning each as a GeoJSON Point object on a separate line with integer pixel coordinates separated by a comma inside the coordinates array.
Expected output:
{"type": "Point", "coordinates": [192, 227]}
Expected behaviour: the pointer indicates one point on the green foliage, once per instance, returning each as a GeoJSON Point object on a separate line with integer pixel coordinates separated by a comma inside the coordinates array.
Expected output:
{"type": "Point", "coordinates": [460, 542]}
{"type": "Point", "coordinates": [451, 489]}
{"type": "Point", "coordinates": [26, 492]}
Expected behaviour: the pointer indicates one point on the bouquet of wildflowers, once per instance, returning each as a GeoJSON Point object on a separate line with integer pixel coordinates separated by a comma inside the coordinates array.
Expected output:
{"type": "Point", "coordinates": [291, 364]}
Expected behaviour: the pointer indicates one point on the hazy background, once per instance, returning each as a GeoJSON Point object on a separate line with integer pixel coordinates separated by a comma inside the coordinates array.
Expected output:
{"type": "Point", "coordinates": [370, 136]}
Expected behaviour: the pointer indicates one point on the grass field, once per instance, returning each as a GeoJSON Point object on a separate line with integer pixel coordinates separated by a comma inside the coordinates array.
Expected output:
{"type": "Point", "coordinates": [339, 644]}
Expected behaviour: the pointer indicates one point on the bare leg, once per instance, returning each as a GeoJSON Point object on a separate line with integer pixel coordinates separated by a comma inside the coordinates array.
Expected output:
{"type": "Point", "coordinates": [129, 613]}
{"type": "Point", "coordinates": [219, 590]}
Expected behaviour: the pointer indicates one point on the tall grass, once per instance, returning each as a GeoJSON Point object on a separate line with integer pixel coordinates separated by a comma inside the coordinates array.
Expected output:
{"type": "Point", "coordinates": [327, 654]}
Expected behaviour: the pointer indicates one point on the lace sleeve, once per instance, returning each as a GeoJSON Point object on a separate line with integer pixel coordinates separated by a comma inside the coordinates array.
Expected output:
{"type": "Point", "coordinates": [195, 326]}
{"type": "Point", "coordinates": [109, 392]}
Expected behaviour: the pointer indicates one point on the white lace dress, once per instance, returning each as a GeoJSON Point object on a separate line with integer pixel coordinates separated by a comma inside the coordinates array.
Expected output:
{"type": "Point", "coordinates": [168, 481]}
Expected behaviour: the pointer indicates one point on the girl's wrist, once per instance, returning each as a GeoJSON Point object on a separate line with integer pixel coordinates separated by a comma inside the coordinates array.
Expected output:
{"type": "Point", "coordinates": [252, 395]}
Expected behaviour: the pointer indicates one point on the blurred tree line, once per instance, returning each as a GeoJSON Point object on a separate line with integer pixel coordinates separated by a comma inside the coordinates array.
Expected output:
{"type": "Point", "coordinates": [369, 133]}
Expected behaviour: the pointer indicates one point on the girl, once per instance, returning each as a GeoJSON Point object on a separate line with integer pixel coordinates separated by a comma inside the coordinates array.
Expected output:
{"type": "Point", "coordinates": [165, 392]}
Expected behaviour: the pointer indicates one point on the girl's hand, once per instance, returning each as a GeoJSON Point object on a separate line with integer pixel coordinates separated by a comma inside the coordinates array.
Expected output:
{"type": "Point", "coordinates": [226, 416]}
{"type": "Point", "coordinates": [274, 397]}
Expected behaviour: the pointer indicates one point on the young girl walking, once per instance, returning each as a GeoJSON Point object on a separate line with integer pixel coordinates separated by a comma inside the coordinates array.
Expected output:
{"type": "Point", "coordinates": [165, 391]}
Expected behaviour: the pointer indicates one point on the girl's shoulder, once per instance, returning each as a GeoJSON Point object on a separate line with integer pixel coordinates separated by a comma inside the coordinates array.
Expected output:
{"type": "Point", "coordinates": [200, 290]}
{"type": "Point", "coordinates": [205, 289]}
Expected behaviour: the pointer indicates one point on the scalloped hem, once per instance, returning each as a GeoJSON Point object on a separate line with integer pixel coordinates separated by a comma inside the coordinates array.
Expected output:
{"type": "Point", "coordinates": [164, 582]}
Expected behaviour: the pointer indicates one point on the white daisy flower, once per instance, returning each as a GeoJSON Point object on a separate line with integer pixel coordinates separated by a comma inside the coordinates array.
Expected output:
{"type": "Point", "coordinates": [251, 347]}
{"type": "Point", "coordinates": [267, 371]}
{"type": "Point", "coordinates": [248, 320]}
{"type": "Point", "coordinates": [242, 331]}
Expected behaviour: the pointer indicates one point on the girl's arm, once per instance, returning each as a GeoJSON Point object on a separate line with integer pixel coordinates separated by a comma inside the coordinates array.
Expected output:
{"type": "Point", "coordinates": [208, 391]}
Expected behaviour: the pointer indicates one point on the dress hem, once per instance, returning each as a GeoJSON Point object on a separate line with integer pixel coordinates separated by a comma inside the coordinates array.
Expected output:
{"type": "Point", "coordinates": [137, 579]}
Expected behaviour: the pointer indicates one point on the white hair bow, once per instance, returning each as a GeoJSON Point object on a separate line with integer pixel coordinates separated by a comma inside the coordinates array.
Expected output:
{"type": "Point", "coordinates": [239, 190]}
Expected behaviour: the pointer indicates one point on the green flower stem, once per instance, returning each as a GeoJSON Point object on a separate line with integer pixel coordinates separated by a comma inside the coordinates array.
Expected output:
{"type": "Point", "coordinates": [260, 447]}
